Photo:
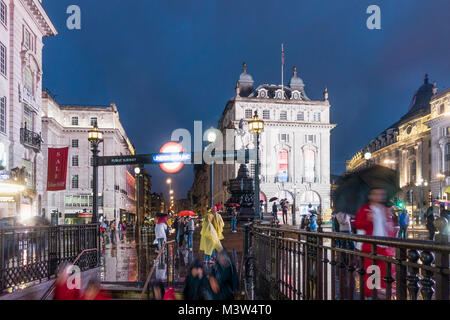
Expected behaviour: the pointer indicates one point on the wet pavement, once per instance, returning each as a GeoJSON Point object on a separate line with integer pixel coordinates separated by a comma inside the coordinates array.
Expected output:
{"type": "Point", "coordinates": [127, 261]}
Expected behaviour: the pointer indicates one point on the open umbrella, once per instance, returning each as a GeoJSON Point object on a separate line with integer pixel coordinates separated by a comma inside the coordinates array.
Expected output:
{"type": "Point", "coordinates": [187, 214]}
{"type": "Point", "coordinates": [273, 199]}
{"type": "Point", "coordinates": [234, 205]}
{"type": "Point", "coordinates": [353, 189]}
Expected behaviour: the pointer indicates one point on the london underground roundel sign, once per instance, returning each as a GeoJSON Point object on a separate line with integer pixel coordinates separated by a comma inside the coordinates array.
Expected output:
{"type": "Point", "coordinates": [171, 167]}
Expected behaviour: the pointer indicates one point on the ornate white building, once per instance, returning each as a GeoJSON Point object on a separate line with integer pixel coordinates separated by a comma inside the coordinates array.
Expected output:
{"type": "Point", "coordinates": [23, 24]}
{"type": "Point", "coordinates": [295, 144]}
{"type": "Point", "coordinates": [68, 126]}
{"type": "Point", "coordinates": [439, 124]}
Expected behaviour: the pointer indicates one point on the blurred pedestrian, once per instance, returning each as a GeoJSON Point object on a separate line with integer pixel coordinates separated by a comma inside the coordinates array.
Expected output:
{"type": "Point", "coordinates": [160, 234]}
{"type": "Point", "coordinates": [170, 294]}
{"type": "Point", "coordinates": [313, 221]}
{"type": "Point", "coordinates": [403, 222]}
{"type": "Point", "coordinates": [284, 209]}
{"type": "Point", "coordinates": [158, 290]}
{"type": "Point", "coordinates": [233, 219]}
{"type": "Point", "coordinates": [429, 218]}
{"type": "Point", "coordinates": [275, 211]}
{"type": "Point", "coordinates": [374, 219]}
{"type": "Point", "coordinates": [224, 280]}
{"type": "Point", "coordinates": [190, 229]}
{"type": "Point", "coordinates": [196, 285]}
{"type": "Point", "coordinates": [64, 290]}
{"type": "Point", "coordinates": [345, 226]}
{"type": "Point", "coordinates": [112, 227]}
{"type": "Point", "coordinates": [94, 291]}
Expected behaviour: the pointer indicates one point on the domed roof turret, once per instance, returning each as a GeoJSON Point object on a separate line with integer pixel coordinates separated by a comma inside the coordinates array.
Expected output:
{"type": "Point", "coordinates": [245, 82]}
{"type": "Point", "coordinates": [296, 82]}
{"type": "Point", "coordinates": [422, 97]}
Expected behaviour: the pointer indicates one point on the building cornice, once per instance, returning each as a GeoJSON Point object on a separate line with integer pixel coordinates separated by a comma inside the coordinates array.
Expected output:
{"type": "Point", "coordinates": [34, 7]}
{"type": "Point", "coordinates": [275, 123]}
{"type": "Point", "coordinates": [323, 103]}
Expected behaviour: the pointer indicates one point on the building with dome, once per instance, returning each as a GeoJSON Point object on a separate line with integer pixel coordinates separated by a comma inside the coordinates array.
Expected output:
{"type": "Point", "coordinates": [295, 144]}
{"type": "Point", "coordinates": [406, 146]}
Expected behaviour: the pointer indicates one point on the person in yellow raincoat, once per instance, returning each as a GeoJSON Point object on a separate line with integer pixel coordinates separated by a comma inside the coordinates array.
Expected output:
{"type": "Point", "coordinates": [209, 240]}
{"type": "Point", "coordinates": [218, 223]}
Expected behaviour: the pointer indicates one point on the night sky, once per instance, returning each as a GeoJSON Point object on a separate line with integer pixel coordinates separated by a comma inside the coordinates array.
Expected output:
{"type": "Point", "coordinates": [168, 63]}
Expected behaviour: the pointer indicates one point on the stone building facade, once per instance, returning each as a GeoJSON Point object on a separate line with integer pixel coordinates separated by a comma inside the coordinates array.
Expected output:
{"type": "Point", "coordinates": [68, 126]}
{"type": "Point", "coordinates": [23, 24]}
{"type": "Point", "coordinates": [407, 146]}
{"type": "Point", "coordinates": [295, 144]}
{"type": "Point", "coordinates": [439, 124]}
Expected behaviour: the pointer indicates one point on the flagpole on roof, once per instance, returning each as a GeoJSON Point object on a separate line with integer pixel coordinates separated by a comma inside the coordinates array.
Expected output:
{"type": "Point", "coordinates": [282, 71]}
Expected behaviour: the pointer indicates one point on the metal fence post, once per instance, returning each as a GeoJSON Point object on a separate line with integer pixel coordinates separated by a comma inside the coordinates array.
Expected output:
{"type": "Point", "coordinates": [442, 261]}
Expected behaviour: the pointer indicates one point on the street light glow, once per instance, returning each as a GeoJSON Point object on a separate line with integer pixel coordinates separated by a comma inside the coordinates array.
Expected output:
{"type": "Point", "coordinates": [367, 156]}
{"type": "Point", "coordinates": [211, 135]}
{"type": "Point", "coordinates": [137, 170]}
{"type": "Point", "coordinates": [169, 181]}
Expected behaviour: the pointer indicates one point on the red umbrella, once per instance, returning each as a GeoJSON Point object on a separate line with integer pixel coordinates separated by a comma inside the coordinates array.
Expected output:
{"type": "Point", "coordinates": [187, 214]}
{"type": "Point", "coordinates": [234, 205]}
{"type": "Point", "coordinates": [219, 206]}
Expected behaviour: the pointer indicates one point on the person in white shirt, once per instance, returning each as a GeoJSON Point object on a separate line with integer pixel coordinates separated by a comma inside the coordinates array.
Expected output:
{"type": "Point", "coordinates": [160, 234]}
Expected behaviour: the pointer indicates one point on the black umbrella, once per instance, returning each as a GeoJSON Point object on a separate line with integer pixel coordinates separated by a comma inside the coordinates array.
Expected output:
{"type": "Point", "coordinates": [353, 189]}
{"type": "Point", "coordinates": [273, 199]}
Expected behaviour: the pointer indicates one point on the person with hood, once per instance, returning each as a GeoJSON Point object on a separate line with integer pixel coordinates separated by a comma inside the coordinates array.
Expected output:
{"type": "Point", "coordinates": [313, 221]}
{"type": "Point", "coordinates": [224, 280]}
{"type": "Point", "coordinates": [209, 239]}
{"type": "Point", "coordinates": [375, 219]}
{"type": "Point", "coordinates": [196, 285]}
{"type": "Point", "coordinates": [218, 223]}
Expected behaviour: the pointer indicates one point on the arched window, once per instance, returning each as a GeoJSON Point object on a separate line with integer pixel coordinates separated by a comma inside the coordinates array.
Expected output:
{"type": "Point", "coordinates": [310, 165]}
{"type": "Point", "coordinates": [412, 171]}
{"type": "Point", "coordinates": [283, 161]}
{"type": "Point", "coordinates": [447, 157]}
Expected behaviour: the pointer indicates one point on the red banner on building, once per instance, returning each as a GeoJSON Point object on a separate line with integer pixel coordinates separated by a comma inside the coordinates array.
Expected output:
{"type": "Point", "coordinates": [57, 168]}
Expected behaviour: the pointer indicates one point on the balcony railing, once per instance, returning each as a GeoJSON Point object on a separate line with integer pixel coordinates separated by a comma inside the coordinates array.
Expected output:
{"type": "Point", "coordinates": [30, 138]}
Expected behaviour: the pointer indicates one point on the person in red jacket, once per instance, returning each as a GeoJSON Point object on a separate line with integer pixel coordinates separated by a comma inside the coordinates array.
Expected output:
{"type": "Point", "coordinates": [375, 219]}
{"type": "Point", "coordinates": [95, 292]}
{"type": "Point", "coordinates": [63, 289]}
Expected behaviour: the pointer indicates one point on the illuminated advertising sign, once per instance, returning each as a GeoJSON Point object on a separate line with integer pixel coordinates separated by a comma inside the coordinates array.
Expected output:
{"type": "Point", "coordinates": [171, 157]}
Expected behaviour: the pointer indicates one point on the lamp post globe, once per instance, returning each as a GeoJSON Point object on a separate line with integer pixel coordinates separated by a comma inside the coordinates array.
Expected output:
{"type": "Point", "coordinates": [256, 126]}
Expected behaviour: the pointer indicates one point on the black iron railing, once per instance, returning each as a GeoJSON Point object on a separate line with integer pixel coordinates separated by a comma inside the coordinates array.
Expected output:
{"type": "Point", "coordinates": [32, 254]}
{"type": "Point", "coordinates": [30, 138]}
{"type": "Point", "coordinates": [287, 263]}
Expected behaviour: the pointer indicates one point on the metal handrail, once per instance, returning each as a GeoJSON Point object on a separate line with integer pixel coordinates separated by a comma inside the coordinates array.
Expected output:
{"type": "Point", "coordinates": [52, 287]}
{"type": "Point", "coordinates": [153, 268]}
{"type": "Point", "coordinates": [386, 241]}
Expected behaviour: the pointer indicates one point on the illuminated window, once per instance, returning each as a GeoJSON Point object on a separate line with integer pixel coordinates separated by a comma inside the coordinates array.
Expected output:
{"type": "Point", "coordinates": [310, 165]}
{"type": "Point", "coordinates": [441, 109]}
{"type": "Point", "coordinates": [28, 81]}
{"type": "Point", "coordinates": [283, 162]}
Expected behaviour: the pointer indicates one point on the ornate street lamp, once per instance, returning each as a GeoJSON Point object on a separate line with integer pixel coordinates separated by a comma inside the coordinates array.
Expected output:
{"type": "Point", "coordinates": [211, 136]}
{"type": "Point", "coordinates": [95, 137]}
{"type": "Point", "coordinates": [256, 125]}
